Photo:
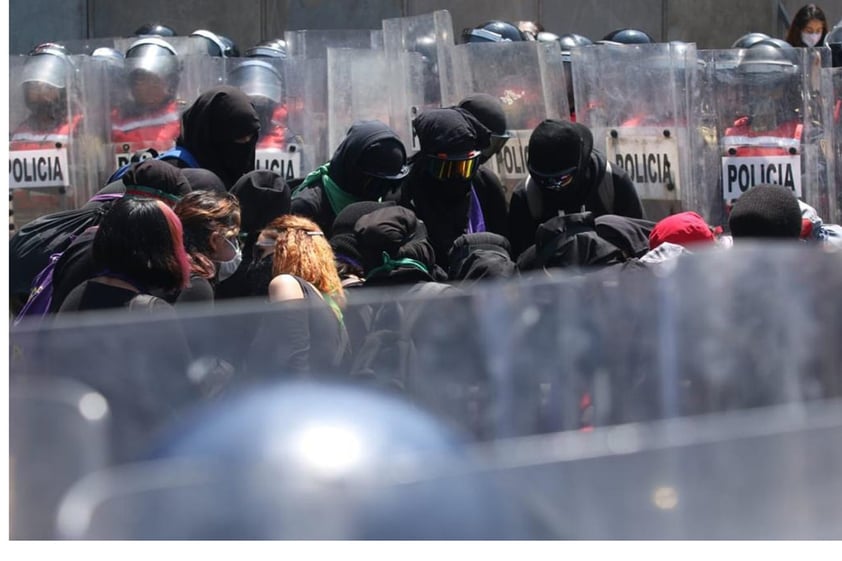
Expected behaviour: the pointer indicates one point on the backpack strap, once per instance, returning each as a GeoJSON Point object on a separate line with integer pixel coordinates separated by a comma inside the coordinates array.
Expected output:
{"type": "Point", "coordinates": [606, 188]}
{"type": "Point", "coordinates": [533, 199]}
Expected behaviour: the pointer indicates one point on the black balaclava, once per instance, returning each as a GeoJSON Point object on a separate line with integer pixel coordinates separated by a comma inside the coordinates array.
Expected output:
{"type": "Point", "coordinates": [558, 145]}
{"type": "Point", "coordinates": [370, 148]}
{"type": "Point", "coordinates": [210, 126]}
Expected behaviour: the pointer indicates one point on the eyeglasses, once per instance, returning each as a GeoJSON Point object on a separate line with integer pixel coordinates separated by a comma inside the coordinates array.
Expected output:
{"type": "Point", "coordinates": [556, 181]}
{"type": "Point", "coordinates": [443, 167]}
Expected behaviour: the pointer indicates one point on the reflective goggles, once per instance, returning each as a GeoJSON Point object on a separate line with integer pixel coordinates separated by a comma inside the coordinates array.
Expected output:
{"type": "Point", "coordinates": [556, 181]}
{"type": "Point", "coordinates": [443, 167]}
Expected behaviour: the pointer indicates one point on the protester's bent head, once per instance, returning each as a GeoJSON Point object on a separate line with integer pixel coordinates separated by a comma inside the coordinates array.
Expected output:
{"type": "Point", "coordinates": [766, 211]}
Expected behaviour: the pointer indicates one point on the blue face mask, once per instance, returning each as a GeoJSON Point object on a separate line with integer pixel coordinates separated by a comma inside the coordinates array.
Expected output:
{"type": "Point", "coordinates": [227, 268]}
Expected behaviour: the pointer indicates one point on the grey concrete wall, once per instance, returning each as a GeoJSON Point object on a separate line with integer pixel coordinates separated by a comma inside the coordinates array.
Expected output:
{"type": "Point", "coordinates": [709, 23]}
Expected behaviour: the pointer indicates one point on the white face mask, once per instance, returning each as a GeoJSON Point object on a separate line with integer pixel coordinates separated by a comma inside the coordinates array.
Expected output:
{"type": "Point", "coordinates": [227, 268]}
{"type": "Point", "coordinates": [810, 39]}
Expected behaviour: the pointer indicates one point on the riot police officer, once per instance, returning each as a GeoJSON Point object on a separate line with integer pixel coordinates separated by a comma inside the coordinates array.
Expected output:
{"type": "Point", "coordinates": [152, 119]}
{"type": "Point", "coordinates": [263, 83]}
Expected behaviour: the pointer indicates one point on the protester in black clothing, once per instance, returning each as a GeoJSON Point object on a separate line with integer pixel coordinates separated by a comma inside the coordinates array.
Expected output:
{"type": "Point", "coordinates": [264, 196]}
{"type": "Point", "coordinates": [305, 334]}
{"type": "Point", "coordinates": [147, 179]}
{"type": "Point", "coordinates": [138, 248]}
{"type": "Point", "coordinates": [220, 131]}
{"type": "Point", "coordinates": [366, 165]}
{"type": "Point", "coordinates": [441, 187]}
{"type": "Point", "coordinates": [482, 255]}
{"type": "Point", "coordinates": [489, 111]}
{"type": "Point", "coordinates": [566, 175]}
{"type": "Point", "coordinates": [211, 223]}
{"type": "Point", "coordinates": [201, 179]}
{"type": "Point", "coordinates": [344, 242]}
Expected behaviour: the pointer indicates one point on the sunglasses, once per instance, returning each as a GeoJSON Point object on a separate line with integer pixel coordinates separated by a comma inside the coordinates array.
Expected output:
{"type": "Point", "coordinates": [461, 167]}
{"type": "Point", "coordinates": [555, 181]}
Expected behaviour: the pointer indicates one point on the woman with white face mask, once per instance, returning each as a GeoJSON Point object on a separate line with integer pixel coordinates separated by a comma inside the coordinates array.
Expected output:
{"type": "Point", "coordinates": [211, 222]}
{"type": "Point", "coordinates": [809, 27]}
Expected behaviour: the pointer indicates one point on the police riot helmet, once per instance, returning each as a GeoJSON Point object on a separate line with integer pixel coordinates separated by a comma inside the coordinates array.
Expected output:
{"type": "Point", "coordinates": [273, 48]}
{"type": "Point", "coordinates": [767, 58]}
{"type": "Point", "coordinates": [493, 32]}
{"type": "Point", "coordinates": [570, 40]}
{"type": "Point", "coordinates": [748, 40]}
{"type": "Point", "coordinates": [310, 459]}
{"type": "Point", "coordinates": [49, 63]}
{"type": "Point", "coordinates": [212, 44]}
{"type": "Point", "coordinates": [628, 36]}
{"type": "Point", "coordinates": [155, 29]}
{"type": "Point", "coordinates": [257, 78]}
{"type": "Point", "coordinates": [109, 54]}
{"type": "Point", "coordinates": [833, 40]}
{"type": "Point", "coordinates": [156, 56]}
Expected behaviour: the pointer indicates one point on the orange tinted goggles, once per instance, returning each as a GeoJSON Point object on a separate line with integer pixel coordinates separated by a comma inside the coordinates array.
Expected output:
{"type": "Point", "coordinates": [464, 167]}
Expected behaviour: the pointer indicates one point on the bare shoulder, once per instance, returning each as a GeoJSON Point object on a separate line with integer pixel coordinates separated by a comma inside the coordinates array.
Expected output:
{"type": "Point", "coordinates": [285, 287]}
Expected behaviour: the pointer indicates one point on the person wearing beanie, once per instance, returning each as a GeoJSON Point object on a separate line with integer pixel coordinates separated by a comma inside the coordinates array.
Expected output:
{"type": "Point", "coordinates": [442, 187]}
{"type": "Point", "coordinates": [149, 179]}
{"type": "Point", "coordinates": [685, 228]}
{"type": "Point", "coordinates": [766, 211]}
{"type": "Point", "coordinates": [566, 175]}
{"type": "Point", "coordinates": [343, 241]}
{"type": "Point", "coordinates": [264, 196]}
{"type": "Point", "coordinates": [369, 162]}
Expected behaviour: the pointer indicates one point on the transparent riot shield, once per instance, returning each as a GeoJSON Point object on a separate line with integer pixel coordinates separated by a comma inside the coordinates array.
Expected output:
{"type": "Point", "coordinates": [356, 80]}
{"type": "Point", "coordinates": [58, 433]}
{"type": "Point", "coordinates": [765, 111]}
{"type": "Point", "coordinates": [159, 89]}
{"type": "Point", "coordinates": [314, 43]}
{"type": "Point", "coordinates": [832, 142]}
{"type": "Point", "coordinates": [527, 77]}
{"type": "Point", "coordinates": [426, 36]}
{"type": "Point", "coordinates": [636, 100]}
{"type": "Point", "coordinates": [56, 133]}
{"type": "Point", "coordinates": [264, 81]}
{"type": "Point", "coordinates": [307, 79]}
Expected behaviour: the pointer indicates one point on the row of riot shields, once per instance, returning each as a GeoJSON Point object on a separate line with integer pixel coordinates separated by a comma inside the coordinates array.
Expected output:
{"type": "Point", "coordinates": [74, 120]}
{"type": "Point", "coordinates": [724, 335]}
{"type": "Point", "coordinates": [695, 129]}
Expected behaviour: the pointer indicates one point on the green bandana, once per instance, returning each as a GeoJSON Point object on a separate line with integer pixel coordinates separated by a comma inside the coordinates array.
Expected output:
{"type": "Point", "coordinates": [337, 198]}
{"type": "Point", "coordinates": [390, 265]}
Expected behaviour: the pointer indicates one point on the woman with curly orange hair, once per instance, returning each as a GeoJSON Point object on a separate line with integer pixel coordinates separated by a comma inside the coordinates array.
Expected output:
{"type": "Point", "coordinates": [306, 336]}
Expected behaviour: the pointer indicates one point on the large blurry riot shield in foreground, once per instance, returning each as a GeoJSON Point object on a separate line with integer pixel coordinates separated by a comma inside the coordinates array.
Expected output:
{"type": "Point", "coordinates": [727, 333]}
{"type": "Point", "coordinates": [636, 100]}
{"type": "Point", "coordinates": [425, 37]}
{"type": "Point", "coordinates": [56, 138]}
{"type": "Point", "coordinates": [768, 473]}
{"type": "Point", "coordinates": [763, 122]}
{"type": "Point", "coordinates": [153, 120]}
{"type": "Point", "coordinates": [264, 81]}
{"type": "Point", "coordinates": [832, 142]}
{"type": "Point", "coordinates": [357, 81]}
{"type": "Point", "coordinates": [58, 432]}
{"type": "Point", "coordinates": [528, 79]}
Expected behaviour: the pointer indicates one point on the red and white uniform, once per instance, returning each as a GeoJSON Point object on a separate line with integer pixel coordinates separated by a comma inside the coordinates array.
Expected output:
{"type": "Point", "coordinates": [157, 129]}
{"type": "Point", "coordinates": [27, 137]}
{"type": "Point", "coordinates": [777, 142]}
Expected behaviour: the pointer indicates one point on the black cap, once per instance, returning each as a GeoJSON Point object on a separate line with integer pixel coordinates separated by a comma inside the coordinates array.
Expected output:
{"type": "Point", "coordinates": [558, 145]}
{"type": "Point", "coordinates": [384, 158]}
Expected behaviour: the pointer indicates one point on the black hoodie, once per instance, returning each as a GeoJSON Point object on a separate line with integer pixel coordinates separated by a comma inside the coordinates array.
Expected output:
{"type": "Point", "coordinates": [345, 171]}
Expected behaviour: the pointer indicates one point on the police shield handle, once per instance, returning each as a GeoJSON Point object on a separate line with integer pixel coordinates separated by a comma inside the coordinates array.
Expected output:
{"type": "Point", "coordinates": [741, 173]}
{"type": "Point", "coordinates": [38, 168]}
